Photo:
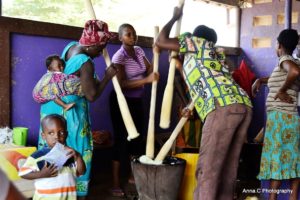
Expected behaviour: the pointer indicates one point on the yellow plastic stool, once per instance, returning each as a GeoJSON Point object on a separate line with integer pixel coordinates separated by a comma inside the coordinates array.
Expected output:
{"type": "Point", "coordinates": [189, 180]}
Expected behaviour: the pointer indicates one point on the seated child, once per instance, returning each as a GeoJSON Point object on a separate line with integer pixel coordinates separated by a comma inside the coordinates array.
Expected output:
{"type": "Point", "coordinates": [50, 181]}
{"type": "Point", "coordinates": [55, 84]}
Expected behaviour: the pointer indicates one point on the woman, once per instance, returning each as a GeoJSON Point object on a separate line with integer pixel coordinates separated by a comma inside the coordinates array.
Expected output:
{"type": "Point", "coordinates": [135, 72]}
{"type": "Point", "coordinates": [280, 159]}
{"type": "Point", "coordinates": [79, 61]}
{"type": "Point", "coordinates": [223, 107]}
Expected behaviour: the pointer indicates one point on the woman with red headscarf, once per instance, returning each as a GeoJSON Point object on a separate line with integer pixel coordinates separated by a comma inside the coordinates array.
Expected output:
{"type": "Point", "coordinates": [78, 57]}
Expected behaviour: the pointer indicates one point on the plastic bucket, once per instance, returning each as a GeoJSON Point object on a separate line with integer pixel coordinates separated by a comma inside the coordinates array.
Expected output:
{"type": "Point", "coordinates": [189, 181]}
{"type": "Point", "coordinates": [20, 135]}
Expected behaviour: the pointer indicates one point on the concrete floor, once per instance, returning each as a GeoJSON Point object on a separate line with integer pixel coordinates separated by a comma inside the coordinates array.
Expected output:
{"type": "Point", "coordinates": [101, 184]}
{"type": "Point", "coordinates": [100, 188]}
{"type": "Point", "coordinates": [101, 180]}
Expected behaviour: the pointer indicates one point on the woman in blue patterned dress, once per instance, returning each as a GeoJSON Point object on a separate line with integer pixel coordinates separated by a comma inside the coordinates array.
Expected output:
{"type": "Point", "coordinates": [79, 61]}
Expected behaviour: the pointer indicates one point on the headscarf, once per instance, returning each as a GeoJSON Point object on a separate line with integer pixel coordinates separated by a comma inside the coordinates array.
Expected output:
{"type": "Point", "coordinates": [95, 32]}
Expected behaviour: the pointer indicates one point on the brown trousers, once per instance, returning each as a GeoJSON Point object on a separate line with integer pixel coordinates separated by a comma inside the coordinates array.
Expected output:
{"type": "Point", "coordinates": [223, 135]}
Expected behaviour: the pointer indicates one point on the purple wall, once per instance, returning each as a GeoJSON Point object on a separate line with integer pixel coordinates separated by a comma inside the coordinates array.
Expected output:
{"type": "Point", "coordinates": [263, 60]}
{"type": "Point", "coordinates": [28, 57]}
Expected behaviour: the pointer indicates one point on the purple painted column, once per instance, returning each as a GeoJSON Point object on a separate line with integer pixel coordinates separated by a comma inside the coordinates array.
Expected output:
{"type": "Point", "coordinates": [288, 14]}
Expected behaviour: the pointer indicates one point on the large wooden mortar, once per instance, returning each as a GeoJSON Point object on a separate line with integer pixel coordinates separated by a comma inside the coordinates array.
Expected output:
{"type": "Point", "coordinates": [158, 182]}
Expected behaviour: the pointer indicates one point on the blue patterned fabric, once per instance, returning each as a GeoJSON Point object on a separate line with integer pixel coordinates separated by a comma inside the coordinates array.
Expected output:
{"type": "Point", "coordinates": [281, 151]}
{"type": "Point", "coordinates": [78, 121]}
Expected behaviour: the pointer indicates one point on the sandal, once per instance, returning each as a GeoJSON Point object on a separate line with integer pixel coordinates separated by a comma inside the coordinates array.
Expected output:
{"type": "Point", "coordinates": [117, 192]}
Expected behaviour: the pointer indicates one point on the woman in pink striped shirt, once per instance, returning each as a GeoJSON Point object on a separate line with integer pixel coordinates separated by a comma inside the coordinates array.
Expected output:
{"type": "Point", "coordinates": [135, 71]}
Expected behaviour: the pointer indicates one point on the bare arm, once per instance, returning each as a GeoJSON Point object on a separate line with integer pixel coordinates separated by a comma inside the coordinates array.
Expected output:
{"type": "Point", "coordinates": [129, 84]}
{"type": "Point", "coordinates": [47, 171]}
{"type": "Point", "coordinates": [293, 73]}
{"type": "Point", "coordinates": [149, 66]}
{"type": "Point", "coordinates": [257, 84]}
{"type": "Point", "coordinates": [91, 87]}
{"type": "Point", "coordinates": [60, 102]}
{"type": "Point", "coordinates": [81, 168]}
{"type": "Point", "coordinates": [163, 40]}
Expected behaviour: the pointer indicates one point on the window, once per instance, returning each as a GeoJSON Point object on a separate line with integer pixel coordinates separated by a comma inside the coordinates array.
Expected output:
{"type": "Point", "coordinates": [261, 42]}
{"type": "Point", "coordinates": [281, 18]}
{"type": "Point", "coordinates": [142, 14]}
{"type": "Point", "coordinates": [264, 20]}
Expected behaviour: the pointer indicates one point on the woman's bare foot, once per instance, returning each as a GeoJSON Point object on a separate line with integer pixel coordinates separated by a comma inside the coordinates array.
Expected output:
{"type": "Point", "coordinates": [117, 192]}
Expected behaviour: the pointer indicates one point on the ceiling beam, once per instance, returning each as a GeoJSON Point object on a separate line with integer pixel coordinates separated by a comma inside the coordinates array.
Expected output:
{"type": "Point", "coordinates": [222, 2]}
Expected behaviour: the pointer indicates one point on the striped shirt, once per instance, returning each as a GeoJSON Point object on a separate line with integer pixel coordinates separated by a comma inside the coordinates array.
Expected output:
{"type": "Point", "coordinates": [61, 187]}
{"type": "Point", "coordinates": [276, 80]}
{"type": "Point", "coordinates": [135, 68]}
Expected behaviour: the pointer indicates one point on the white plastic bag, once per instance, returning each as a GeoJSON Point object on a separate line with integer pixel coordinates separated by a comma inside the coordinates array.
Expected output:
{"type": "Point", "coordinates": [6, 136]}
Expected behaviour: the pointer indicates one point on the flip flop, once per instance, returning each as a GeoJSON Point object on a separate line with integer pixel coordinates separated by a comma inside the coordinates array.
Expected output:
{"type": "Point", "coordinates": [117, 192]}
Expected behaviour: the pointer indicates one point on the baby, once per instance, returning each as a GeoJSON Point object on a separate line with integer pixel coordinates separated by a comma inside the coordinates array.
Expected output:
{"type": "Point", "coordinates": [55, 84]}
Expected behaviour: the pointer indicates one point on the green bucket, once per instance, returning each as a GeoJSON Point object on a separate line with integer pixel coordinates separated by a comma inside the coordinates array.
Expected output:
{"type": "Point", "coordinates": [20, 135]}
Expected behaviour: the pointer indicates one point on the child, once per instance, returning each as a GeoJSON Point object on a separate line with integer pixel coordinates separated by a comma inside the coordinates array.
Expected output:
{"type": "Point", "coordinates": [54, 84]}
{"type": "Point", "coordinates": [221, 104]}
{"type": "Point", "coordinates": [51, 182]}
{"type": "Point", "coordinates": [280, 157]}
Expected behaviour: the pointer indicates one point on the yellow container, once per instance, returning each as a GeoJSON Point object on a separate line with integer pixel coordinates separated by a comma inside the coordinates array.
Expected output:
{"type": "Point", "coordinates": [12, 157]}
{"type": "Point", "coordinates": [189, 181]}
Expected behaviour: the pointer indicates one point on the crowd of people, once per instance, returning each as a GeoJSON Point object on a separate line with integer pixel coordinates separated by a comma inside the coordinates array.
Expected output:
{"type": "Point", "coordinates": [222, 105]}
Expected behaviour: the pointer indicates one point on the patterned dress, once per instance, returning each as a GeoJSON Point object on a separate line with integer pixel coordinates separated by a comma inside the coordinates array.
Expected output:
{"type": "Point", "coordinates": [56, 84]}
{"type": "Point", "coordinates": [78, 121]}
{"type": "Point", "coordinates": [207, 76]}
{"type": "Point", "coordinates": [281, 151]}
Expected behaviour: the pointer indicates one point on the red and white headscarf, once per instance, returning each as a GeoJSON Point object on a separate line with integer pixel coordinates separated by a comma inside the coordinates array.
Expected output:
{"type": "Point", "coordinates": [95, 32]}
